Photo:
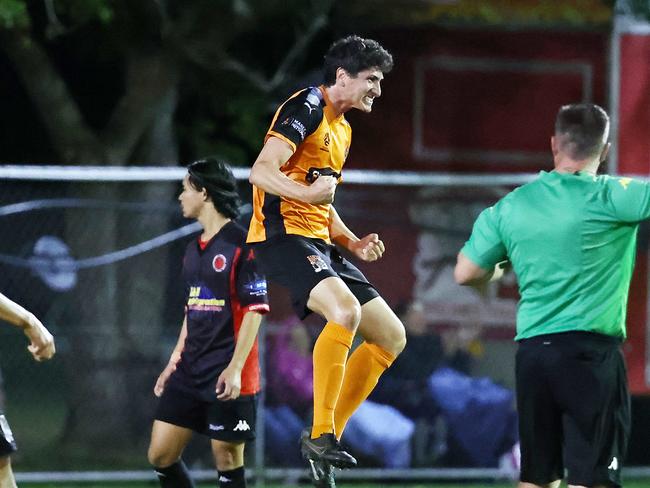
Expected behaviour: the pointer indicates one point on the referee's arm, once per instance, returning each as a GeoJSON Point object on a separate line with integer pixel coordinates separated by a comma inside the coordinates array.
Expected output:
{"type": "Point", "coordinates": [469, 273]}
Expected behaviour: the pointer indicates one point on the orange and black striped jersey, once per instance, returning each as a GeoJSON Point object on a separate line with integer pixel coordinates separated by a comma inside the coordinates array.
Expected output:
{"type": "Point", "coordinates": [320, 139]}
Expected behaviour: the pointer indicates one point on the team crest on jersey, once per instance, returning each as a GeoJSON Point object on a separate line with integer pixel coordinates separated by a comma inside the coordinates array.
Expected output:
{"type": "Point", "coordinates": [317, 262]}
{"type": "Point", "coordinates": [219, 263]}
{"type": "Point", "coordinates": [624, 183]}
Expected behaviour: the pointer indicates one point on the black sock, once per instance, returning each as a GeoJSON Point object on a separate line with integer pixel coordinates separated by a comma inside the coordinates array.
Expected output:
{"type": "Point", "coordinates": [174, 476]}
{"type": "Point", "coordinates": [235, 478]}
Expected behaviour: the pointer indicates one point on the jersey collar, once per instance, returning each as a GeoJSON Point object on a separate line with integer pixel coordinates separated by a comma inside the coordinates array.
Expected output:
{"type": "Point", "coordinates": [328, 110]}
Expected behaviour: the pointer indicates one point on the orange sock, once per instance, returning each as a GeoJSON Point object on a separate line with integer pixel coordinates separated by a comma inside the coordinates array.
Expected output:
{"type": "Point", "coordinates": [362, 372]}
{"type": "Point", "coordinates": [330, 353]}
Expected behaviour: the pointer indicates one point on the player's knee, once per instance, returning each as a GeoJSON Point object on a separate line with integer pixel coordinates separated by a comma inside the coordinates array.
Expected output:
{"type": "Point", "coordinates": [228, 456]}
{"type": "Point", "coordinates": [160, 458]}
{"type": "Point", "coordinates": [392, 338]}
{"type": "Point", "coordinates": [4, 461]}
{"type": "Point", "coordinates": [347, 313]}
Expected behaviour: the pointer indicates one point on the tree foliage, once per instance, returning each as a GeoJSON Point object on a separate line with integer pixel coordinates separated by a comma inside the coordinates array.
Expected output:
{"type": "Point", "coordinates": [98, 71]}
{"type": "Point", "coordinates": [150, 82]}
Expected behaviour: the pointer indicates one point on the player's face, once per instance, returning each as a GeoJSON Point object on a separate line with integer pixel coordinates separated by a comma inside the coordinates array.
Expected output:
{"type": "Point", "coordinates": [364, 88]}
{"type": "Point", "coordinates": [191, 199]}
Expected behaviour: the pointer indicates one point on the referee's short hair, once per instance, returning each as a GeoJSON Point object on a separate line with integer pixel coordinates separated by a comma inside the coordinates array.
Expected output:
{"type": "Point", "coordinates": [582, 130]}
{"type": "Point", "coordinates": [215, 176]}
{"type": "Point", "coordinates": [355, 54]}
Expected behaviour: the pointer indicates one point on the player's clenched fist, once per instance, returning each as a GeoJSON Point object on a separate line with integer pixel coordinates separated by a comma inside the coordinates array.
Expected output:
{"type": "Point", "coordinates": [370, 248]}
{"type": "Point", "coordinates": [322, 190]}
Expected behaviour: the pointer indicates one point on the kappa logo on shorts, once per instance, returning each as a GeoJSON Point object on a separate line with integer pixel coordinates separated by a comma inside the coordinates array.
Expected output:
{"type": "Point", "coordinates": [219, 263]}
{"type": "Point", "coordinates": [317, 262]}
{"type": "Point", "coordinates": [242, 425]}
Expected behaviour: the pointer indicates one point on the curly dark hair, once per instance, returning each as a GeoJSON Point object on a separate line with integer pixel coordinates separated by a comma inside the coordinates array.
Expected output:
{"type": "Point", "coordinates": [215, 176]}
{"type": "Point", "coordinates": [355, 54]}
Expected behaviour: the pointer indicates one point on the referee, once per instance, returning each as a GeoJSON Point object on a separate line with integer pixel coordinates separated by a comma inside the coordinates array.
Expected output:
{"type": "Point", "coordinates": [570, 237]}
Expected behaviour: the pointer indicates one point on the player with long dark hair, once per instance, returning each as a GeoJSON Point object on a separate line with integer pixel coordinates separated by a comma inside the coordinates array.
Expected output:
{"type": "Point", "coordinates": [210, 384]}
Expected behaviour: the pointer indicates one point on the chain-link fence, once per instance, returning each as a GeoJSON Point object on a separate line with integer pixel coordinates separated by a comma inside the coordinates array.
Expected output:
{"type": "Point", "coordinates": [99, 262]}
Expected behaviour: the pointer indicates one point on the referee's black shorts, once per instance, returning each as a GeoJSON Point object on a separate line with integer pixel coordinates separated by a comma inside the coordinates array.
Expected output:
{"type": "Point", "coordinates": [300, 263]}
{"type": "Point", "coordinates": [7, 441]}
{"type": "Point", "coordinates": [574, 408]}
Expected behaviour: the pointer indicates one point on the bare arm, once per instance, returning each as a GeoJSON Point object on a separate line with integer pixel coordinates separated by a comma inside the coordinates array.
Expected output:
{"type": "Point", "coordinates": [180, 343]}
{"type": "Point", "coordinates": [266, 175]}
{"type": "Point", "coordinates": [13, 313]}
{"type": "Point", "coordinates": [339, 232]}
{"type": "Point", "coordinates": [368, 248]}
{"type": "Point", "coordinates": [229, 381]}
{"type": "Point", "coordinates": [41, 341]}
{"type": "Point", "coordinates": [469, 273]}
{"type": "Point", "coordinates": [173, 361]}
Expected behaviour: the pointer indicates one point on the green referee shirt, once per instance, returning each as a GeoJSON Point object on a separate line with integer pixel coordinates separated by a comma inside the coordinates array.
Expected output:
{"type": "Point", "coordinates": [571, 239]}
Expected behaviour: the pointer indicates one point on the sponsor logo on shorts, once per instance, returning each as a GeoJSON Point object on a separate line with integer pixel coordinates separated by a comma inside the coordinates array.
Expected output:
{"type": "Point", "coordinates": [317, 263]}
{"type": "Point", "coordinates": [216, 427]}
{"type": "Point", "coordinates": [242, 425]}
{"type": "Point", "coordinates": [224, 479]}
{"type": "Point", "coordinates": [219, 263]}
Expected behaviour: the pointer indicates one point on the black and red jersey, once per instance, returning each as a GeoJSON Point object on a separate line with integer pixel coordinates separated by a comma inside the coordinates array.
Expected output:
{"type": "Point", "coordinates": [223, 283]}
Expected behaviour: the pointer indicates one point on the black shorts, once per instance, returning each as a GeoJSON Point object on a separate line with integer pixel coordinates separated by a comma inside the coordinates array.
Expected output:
{"type": "Point", "coordinates": [300, 263]}
{"type": "Point", "coordinates": [574, 408]}
{"type": "Point", "coordinates": [229, 421]}
{"type": "Point", "coordinates": [7, 441]}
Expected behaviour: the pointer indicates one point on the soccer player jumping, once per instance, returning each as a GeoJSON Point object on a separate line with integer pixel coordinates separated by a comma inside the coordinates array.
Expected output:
{"type": "Point", "coordinates": [295, 227]}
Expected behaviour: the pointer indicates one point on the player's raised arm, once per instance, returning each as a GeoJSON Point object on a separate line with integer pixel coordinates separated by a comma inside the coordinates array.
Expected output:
{"type": "Point", "coordinates": [41, 341]}
{"type": "Point", "coordinates": [266, 175]}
